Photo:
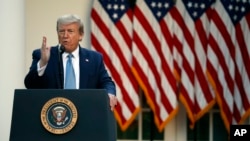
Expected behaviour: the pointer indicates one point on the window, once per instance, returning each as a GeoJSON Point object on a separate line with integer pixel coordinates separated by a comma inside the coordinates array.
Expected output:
{"type": "Point", "coordinates": [143, 127]}
{"type": "Point", "coordinates": [209, 122]}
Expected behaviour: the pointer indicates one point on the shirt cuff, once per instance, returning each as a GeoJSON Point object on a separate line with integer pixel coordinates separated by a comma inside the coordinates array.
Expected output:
{"type": "Point", "coordinates": [40, 70]}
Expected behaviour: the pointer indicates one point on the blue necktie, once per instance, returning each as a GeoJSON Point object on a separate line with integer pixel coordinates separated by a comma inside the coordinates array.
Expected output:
{"type": "Point", "coordinates": [70, 80]}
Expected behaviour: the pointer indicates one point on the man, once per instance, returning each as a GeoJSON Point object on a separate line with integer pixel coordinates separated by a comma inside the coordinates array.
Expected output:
{"type": "Point", "coordinates": [48, 69]}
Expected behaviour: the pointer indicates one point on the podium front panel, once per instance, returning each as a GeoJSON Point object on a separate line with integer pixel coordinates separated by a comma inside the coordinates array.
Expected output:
{"type": "Point", "coordinates": [95, 120]}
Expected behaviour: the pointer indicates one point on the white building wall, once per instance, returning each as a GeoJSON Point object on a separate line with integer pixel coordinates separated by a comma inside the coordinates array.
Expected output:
{"type": "Point", "coordinates": [12, 60]}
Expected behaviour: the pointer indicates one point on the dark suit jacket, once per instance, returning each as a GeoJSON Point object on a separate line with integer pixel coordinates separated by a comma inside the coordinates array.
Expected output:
{"type": "Point", "coordinates": [93, 74]}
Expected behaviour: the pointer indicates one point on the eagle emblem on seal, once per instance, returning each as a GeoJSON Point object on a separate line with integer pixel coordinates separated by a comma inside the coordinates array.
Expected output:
{"type": "Point", "coordinates": [59, 115]}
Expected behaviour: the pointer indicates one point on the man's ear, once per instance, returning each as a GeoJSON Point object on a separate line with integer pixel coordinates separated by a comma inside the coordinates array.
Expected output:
{"type": "Point", "coordinates": [80, 38]}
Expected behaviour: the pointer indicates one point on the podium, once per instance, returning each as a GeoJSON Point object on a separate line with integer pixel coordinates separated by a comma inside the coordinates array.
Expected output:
{"type": "Point", "coordinates": [88, 117]}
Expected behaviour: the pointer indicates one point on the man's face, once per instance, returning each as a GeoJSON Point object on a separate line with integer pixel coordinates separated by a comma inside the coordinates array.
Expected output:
{"type": "Point", "coordinates": [69, 36]}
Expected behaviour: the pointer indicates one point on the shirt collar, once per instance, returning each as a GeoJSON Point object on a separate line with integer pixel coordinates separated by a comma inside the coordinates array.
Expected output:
{"type": "Point", "coordinates": [75, 53]}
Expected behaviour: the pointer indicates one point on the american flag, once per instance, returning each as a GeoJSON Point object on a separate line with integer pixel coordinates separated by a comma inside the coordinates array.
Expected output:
{"type": "Point", "coordinates": [152, 62]}
{"type": "Point", "coordinates": [111, 34]}
{"type": "Point", "coordinates": [191, 30]}
{"type": "Point", "coordinates": [229, 57]}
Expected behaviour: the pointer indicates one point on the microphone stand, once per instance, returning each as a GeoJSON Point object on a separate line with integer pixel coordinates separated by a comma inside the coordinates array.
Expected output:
{"type": "Point", "coordinates": [60, 66]}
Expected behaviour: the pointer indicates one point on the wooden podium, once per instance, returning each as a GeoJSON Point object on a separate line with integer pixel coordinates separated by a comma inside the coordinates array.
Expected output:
{"type": "Point", "coordinates": [35, 115]}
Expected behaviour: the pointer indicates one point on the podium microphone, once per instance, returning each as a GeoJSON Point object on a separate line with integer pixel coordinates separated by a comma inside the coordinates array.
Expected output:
{"type": "Point", "coordinates": [61, 50]}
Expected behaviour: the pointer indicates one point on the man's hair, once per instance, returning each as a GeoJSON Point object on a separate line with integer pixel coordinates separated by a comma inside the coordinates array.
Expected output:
{"type": "Point", "coordinates": [68, 19]}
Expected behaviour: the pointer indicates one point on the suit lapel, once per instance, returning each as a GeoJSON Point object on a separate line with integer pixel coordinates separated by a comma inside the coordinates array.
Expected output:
{"type": "Point", "coordinates": [55, 65]}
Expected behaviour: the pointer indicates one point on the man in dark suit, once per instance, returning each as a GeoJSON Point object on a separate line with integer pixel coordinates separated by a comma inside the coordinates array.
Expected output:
{"type": "Point", "coordinates": [48, 68]}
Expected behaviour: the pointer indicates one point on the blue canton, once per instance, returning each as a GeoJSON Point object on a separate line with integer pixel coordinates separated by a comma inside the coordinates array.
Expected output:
{"type": "Point", "coordinates": [115, 8]}
{"type": "Point", "coordinates": [196, 8]}
{"type": "Point", "coordinates": [236, 9]}
{"type": "Point", "coordinates": [159, 7]}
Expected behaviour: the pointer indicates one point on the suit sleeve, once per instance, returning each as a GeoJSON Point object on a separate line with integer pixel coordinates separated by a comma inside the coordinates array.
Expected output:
{"type": "Point", "coordinates": [32, 80]}
{"type": "Point", "coordinates": [105, 81]}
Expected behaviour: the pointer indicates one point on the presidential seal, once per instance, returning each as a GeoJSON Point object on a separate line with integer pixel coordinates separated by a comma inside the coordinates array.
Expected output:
{"type": "Point", "coordinates": [59, 115]}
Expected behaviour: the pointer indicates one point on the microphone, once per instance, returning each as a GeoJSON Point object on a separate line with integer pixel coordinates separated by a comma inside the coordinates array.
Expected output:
{"type": "Point", "coordinates": [61, 50]}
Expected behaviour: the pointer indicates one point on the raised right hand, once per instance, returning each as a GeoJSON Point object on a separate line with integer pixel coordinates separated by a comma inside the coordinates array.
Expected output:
{"type": "Point", "coordinates": [45, 53]}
